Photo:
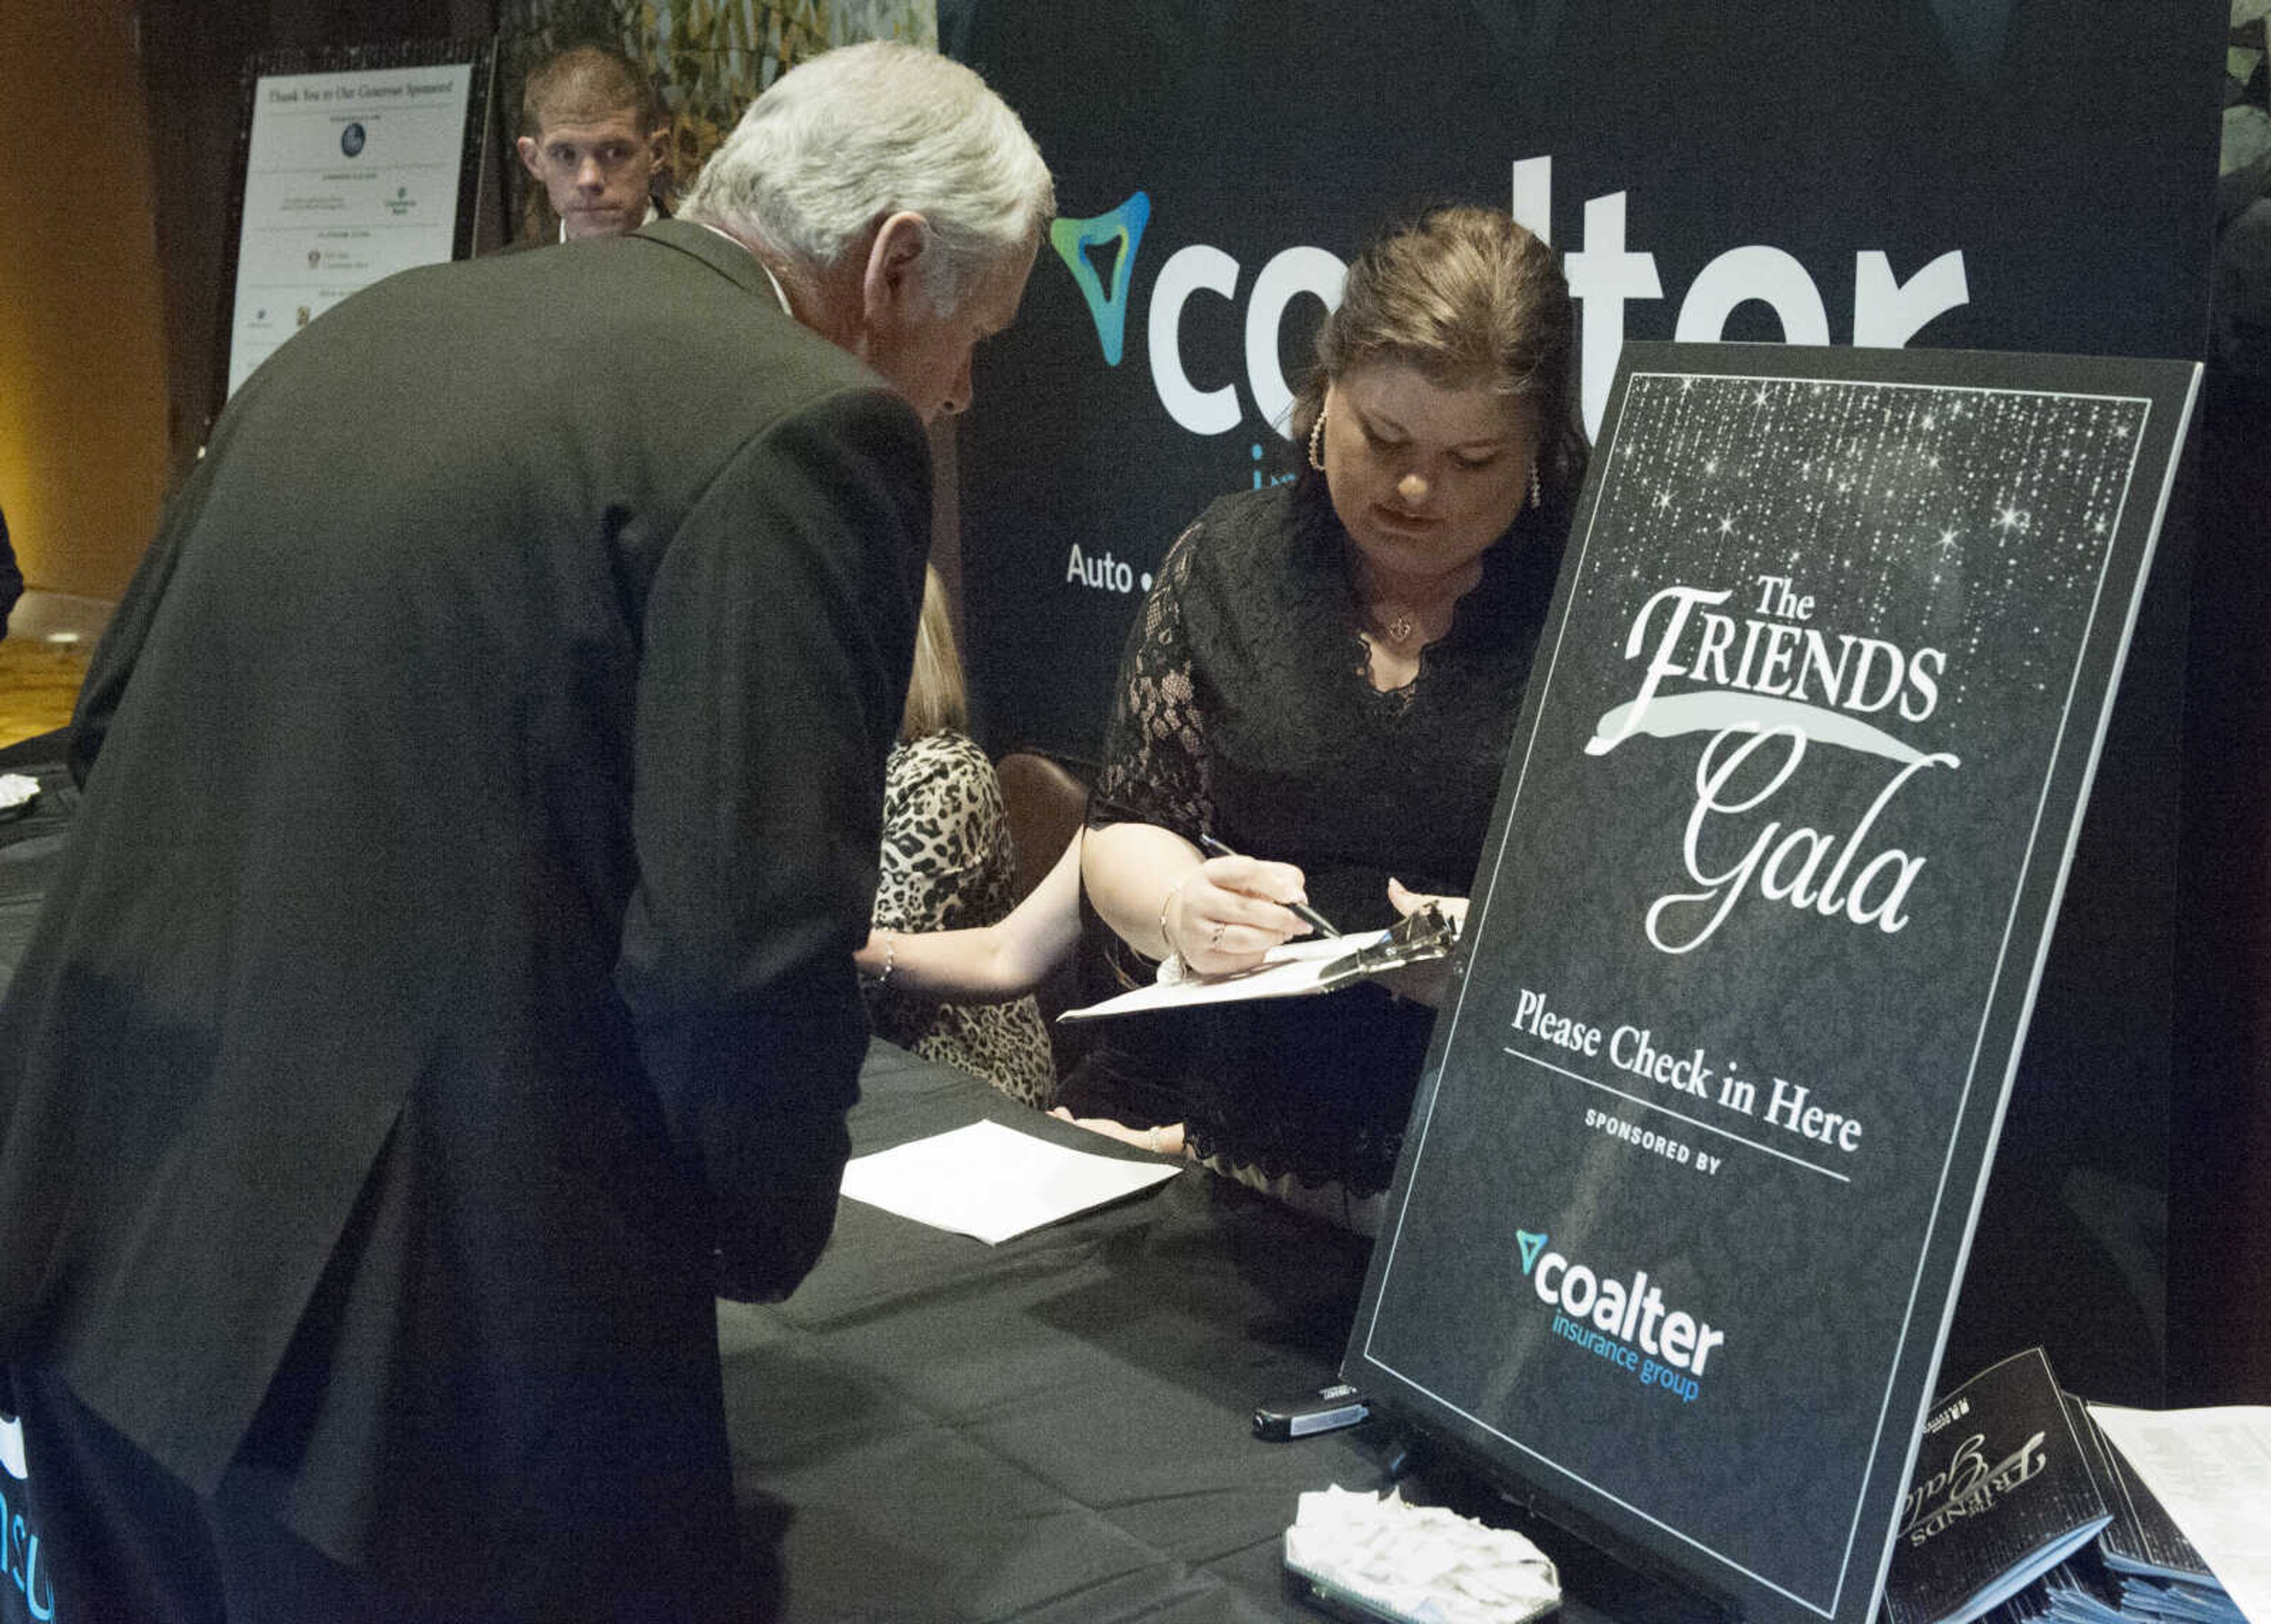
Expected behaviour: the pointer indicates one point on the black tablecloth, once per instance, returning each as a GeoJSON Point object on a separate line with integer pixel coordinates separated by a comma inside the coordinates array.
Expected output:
{"type": "Point", "coordinates": [1058, 1427]}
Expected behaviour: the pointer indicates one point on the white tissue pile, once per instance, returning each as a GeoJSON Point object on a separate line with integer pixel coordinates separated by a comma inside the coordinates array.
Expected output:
{"type": "Point", "coordinates": [1419, 1563]}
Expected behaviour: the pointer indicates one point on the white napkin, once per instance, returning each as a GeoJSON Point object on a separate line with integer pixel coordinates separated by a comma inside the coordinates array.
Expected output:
{"type": "Point", "coordinates": [1418, 1563]}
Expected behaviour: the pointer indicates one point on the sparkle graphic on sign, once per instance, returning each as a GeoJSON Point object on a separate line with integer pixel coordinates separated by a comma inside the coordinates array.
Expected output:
{"type": "Point", "coordinates": [1965, 517]}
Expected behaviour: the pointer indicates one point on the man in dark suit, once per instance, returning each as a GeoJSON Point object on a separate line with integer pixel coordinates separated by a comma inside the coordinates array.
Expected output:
{"type": "Point", "coordinates": [448, 988]}
{"type": "Point", "coordinates": [12, 579]}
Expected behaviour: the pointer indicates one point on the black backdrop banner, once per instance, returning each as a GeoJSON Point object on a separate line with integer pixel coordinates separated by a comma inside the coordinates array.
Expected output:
{"type": "Point", "coordinates": [1999, 174]}
{"type": "Point", "coordinates": [2017, 174]}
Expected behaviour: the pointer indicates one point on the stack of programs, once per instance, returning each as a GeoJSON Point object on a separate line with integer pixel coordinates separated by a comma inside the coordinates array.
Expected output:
{"type": "Point", "coordinates": [2024, 1512]}
{"type": "Point", "coordinates": [2157, 1572]}
{"type": "Point", "coordinates": [2004, 1493]}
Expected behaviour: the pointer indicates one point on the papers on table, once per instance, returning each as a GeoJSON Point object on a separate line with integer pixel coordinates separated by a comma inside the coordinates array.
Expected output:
{"type": "Point", "coordinates": [1293, 971]}
{"type": "Point", "coordinates": [2211, 1470]}
{"type": "Point", "coordinates": [991, 1181]}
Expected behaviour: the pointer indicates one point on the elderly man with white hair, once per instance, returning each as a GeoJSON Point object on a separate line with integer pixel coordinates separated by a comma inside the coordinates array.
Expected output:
{"type": "Point", "coordinates": [449, 991]}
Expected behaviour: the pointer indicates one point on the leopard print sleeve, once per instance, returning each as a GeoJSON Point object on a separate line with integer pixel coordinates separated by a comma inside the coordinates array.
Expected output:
{"type": "Point", "coordinates": [948, 863]}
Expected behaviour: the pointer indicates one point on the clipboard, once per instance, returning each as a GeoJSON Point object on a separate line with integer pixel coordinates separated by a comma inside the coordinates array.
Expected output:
{"type": "Point", "coordinates": [1296, 970]}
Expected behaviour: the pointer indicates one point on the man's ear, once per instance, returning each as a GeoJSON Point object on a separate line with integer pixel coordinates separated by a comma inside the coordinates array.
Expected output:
{"type": "Point", "coordinates": [658, 148]}
{"type": "Point", "coordinates": [529, 150]}
{"type": "Point", "coordinates": [895, 265]}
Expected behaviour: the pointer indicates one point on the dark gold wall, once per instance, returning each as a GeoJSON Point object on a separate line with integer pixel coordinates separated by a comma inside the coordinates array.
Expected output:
{"type": "Point", "coordinates": [82, 356]}
{"type": "Point", "coordinates": [117, 140]}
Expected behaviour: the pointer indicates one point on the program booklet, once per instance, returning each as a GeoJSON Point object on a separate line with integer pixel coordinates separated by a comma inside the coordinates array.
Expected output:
{"type": "Point", "coordinates": [2142, 1538]}
{"type": "Point", "coordinates": [2145, 1566]}
{"type": "Point", "coordinates": [2190, 1490]}
{"type": "Point", "coordinates": [2003, 1492]}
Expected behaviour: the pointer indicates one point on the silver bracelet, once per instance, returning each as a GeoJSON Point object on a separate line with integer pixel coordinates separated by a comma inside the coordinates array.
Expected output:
{"type": "Point", "coordinates": [890, 956]}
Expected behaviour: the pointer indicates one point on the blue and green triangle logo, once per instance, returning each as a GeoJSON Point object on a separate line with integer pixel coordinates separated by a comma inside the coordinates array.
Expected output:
{"type": "Point", "coordinates": [1531, 1246]}
{"type": "Point", "coordinates": [1123, 228]}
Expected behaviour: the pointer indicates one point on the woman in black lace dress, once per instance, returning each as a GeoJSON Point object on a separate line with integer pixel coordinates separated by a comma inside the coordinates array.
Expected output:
{"type": "Point", "coordinates": [1325, 677]}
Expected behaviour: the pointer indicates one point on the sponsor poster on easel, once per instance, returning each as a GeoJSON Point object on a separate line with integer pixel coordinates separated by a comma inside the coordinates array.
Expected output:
{"type": "Point", "coordinates": [1676, 1233]}
{"type": "Point", "coordinates": [350, 175]}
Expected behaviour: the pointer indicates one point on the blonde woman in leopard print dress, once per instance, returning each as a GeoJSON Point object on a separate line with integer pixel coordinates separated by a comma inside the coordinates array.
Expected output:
{"type": "Point", "coordinates": [951, 964]}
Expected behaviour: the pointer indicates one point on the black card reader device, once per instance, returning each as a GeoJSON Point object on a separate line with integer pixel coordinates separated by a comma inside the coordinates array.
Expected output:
{"type": "Point", "coordinates": [1324, 1411]}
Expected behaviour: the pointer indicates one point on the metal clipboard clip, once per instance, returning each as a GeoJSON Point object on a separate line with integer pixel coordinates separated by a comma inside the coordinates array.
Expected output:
{"type": "Point", "coordinates": [1424, 934]}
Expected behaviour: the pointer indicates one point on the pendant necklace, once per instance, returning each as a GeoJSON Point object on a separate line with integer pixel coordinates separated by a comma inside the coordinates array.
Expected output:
{"type": "Point", "coordinates": [1400, 625]}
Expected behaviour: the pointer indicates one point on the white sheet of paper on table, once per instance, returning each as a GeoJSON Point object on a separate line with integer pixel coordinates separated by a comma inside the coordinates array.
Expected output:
{"type": "Point", "coordinates": [991, 1181]}
{"type": "Point", "coordinates": [2211, 1470]}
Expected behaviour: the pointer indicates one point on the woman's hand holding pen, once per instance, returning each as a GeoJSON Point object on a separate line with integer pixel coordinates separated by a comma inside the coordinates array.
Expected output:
{"type": "Point", "coordinates": [1227, 912]}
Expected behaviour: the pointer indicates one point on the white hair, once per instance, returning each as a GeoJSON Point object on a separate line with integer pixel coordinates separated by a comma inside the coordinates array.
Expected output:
{"type": "Point", "coordinates": [855, 134]}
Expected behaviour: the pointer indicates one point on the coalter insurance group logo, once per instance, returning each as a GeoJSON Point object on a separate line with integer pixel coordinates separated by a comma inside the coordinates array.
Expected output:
{"type": "Point", "coordinates": [1625, 1323]}
{"type": "Point", "coordinates": [1121, 232]}
{"type": "Point", "coordinates": [1204, 389]}
{"type": "Point", "coordinates": [1210, 389]}
{"type": "Point", "coordinates": [1199, 390]}
{"type": "Point", "coordinates": [1204, 392]}
{"type": "Point", "coordinates": [1207, 394]}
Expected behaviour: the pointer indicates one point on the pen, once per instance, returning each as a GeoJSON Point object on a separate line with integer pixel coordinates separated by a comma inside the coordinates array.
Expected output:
{"type": "Point", "coordinates": [1323, 926]}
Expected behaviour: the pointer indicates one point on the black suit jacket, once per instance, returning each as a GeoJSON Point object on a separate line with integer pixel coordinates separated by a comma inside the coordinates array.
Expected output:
{"type": "Point", "coordinates": [448, 985]}
{"type": "Point", "coordinates": [12, 579]}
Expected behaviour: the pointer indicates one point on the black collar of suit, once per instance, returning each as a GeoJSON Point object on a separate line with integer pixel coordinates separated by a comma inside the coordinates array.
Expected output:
{"type": "Point", "coordinates": [719, 252]}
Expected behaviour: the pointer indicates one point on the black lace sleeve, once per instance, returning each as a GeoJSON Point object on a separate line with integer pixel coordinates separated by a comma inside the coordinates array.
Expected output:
{"type": "Point", "coordinates": [1245, 709]}
{"type": "Point", "coordinates": [1158, 767]}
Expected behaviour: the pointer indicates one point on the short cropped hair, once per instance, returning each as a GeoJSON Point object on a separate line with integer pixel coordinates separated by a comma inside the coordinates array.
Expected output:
{"type": "Point", "coordinates": [585, 84]}
{"type": "Point", "coordinates": [1465, 296]}
{"type": "Point", "coordinates": [848, 137]}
